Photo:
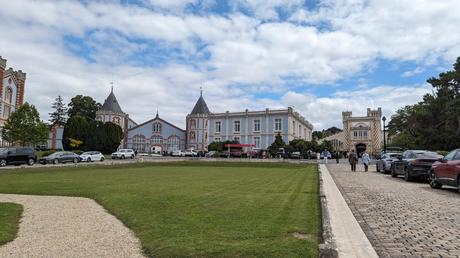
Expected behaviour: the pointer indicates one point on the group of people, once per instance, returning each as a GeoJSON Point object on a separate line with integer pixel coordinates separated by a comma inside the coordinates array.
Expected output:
{"type": "Point", "coordinates": [353, 160]}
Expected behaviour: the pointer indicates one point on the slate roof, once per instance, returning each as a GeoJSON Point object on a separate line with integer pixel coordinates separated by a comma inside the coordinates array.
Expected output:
{"type": "Point", "coordinates": [111, 104]}
{"type": "Point", "coordinates": [200, 107]}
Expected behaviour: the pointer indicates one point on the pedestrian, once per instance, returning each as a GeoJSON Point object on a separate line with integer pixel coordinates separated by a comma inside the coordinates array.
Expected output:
{"type": "Point", "coordinates": [353, 159]}
{"type": "Point", "coordinates": [337, 157]}
{"type": "Point", "coordinates": [326, 155]}
{"type": "Point", "coordinates": [366, 159]}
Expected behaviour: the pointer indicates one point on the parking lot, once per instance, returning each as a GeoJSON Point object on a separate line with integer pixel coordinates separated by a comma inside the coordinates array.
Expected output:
{"type": "Point", "coordinates": [401, 219]}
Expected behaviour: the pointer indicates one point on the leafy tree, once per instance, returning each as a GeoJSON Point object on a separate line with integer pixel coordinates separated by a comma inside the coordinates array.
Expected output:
{"type": "Point", "coordinates": [317, 135]}
{"type": "Point", "coordinates": [83, 106]}
{"type": "Point", "coordinates": [76, 129]}
{"type": "Point", "coordinates": [58, 116]}
{"type": "Point", "coordinates": [216, 146]}
{"type": "Point", "coordinates": [278, 143]}
{"type": "Point", "coordinates": [24, 127]}
{"type": "Point", "coordinates": [433, 123]}
{"type": "Point", "coordinates": [114, 135]}
{"type": "Point", "coordinates": [326, 145]}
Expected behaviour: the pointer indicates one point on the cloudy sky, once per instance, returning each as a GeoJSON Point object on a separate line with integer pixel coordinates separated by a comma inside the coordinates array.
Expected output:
{"type": "Point", "coordinates": [320, 56]}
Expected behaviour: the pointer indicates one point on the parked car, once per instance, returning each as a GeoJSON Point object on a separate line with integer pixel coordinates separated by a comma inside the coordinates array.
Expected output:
{"type": "Point", "coordinates": [446, 171]}
{"type": "Point", "coordinates": [190, 153]}
{"type": "Point", "coordinates": [178, 153]}
{"type": "Point", "coordinates": [124, 154]}
{"type": "Point", "coordinates": [60, 157]}
{"type": "Point", "coordinates": [414, 164]}
{"type": "Point", "coordinates": [280, 153]}
{"type": "Point", "coordinates": [17, 156]}
{"type": "Point", "coordinates": [296, 155]}
{"type": "Point", "coordinates": [385, 161]}
{"type": "Point", "coordinates": [210, 154]}
{"type": "Point", "coordinates": [91, 156]}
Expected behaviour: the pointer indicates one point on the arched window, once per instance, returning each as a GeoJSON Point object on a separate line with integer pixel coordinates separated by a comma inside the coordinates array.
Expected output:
{"type": "Point", "coordinates": [9, 95]}
{"type": "Point", "coordinates": [157, 127]}
{"type": "Point", "coordinates": [192, 136]}
{"type": "Point", "coordinates": [139, 143]}
{"type": "Point", "coordinates": [193, 124]}
{"type": "Point", "coordinates": [116, 120]}
{"type": "Point", "coordinates": [156, 140]}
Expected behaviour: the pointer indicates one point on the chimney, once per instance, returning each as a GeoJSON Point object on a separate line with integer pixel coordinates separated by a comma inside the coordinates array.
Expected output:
{"type": "Point", "coordinates": [21, 76]}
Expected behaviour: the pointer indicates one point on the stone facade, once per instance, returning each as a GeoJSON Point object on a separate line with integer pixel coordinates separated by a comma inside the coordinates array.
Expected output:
{"type": "Point", "coordinates": [359, 133]}
{"type": "Point", "coordinates": [12, 87]}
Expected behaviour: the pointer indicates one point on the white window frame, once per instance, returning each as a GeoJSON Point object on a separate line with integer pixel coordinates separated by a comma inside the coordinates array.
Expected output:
{"type": "Point", "coordinates": [257, 143]}
{"type": "Point", "coordinates": [280, 124]}
{"type": "Point", "coordinates": [218, 127]}
{"type": "Point", "coordinates": [235, 127]}
{"type": "Point", "coordinates": [256, 127]}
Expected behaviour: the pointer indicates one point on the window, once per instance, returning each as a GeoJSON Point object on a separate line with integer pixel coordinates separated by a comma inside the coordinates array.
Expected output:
{"type": "Point", "coordinates": [236, 126]}
{"type": "Point", "coordinates": [457, 157]}
{"type": "Point", "coordinates": [257, 125]}
{"type": "Point", "coordinates": [293, 127]}
{"type": "Point", "coordinates": [236, 139]}
{"type": "Point", "coordinates": [300, 130]}
{"type": "Point", "coordinates": [9, 95]}
{"type": "Point", "coordinates": [450, 156]}
{"type": "Point", "coordinates": [157, 127]}
{"type": "Point", "coordinates": [218, 127]}
{"type": "Point", "coordinates": [305, 133]}
{"type": "Point", "coordinates": [173, 143]}
{"type": "Point", "coordinates": [278, 124]}
{"type": "Point", "coordinates": [139, 143]}
{"type": "Point", "coordinates": [193, 124]}
{"type": "Point", "coordinates": [156, 139]}
{"type": "Point", "coordinates": [217, 139]}
{"type": "Point", "coordinates": [360, 134]}
{"type": "Point", "coordinates": [116, 120]}
{"type": "Point", "coordinates": [192, 136]}
{"type": "Point", "coordinates": [257, 141]}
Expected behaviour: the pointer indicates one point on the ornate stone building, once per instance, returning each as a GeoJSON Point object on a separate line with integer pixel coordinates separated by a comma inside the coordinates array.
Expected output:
{"type": "Point", "coordinates": [197, 125]}
{"type": "Point", "coordinates": [12, 86]}
{"type": "Point", "coordinates": [360, 133]}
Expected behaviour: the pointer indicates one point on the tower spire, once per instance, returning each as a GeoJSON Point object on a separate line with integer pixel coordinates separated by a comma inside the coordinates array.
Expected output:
{"type": "Point", "coordinates": [157, 113]}
{"type": "Point", "coordinates": [201, 91]}
{"type": "Point", "coordinates": [111, 83]}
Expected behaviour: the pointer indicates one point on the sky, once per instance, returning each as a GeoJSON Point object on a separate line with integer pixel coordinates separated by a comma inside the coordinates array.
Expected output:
{"type": "Point", "coordinates": [321, 57]}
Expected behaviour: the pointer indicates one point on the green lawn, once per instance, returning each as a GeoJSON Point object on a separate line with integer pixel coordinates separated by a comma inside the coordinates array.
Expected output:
{"type": "Point", "coordinates": [10, 213]}
{"type": "Point", "coordinates": [196, 209]}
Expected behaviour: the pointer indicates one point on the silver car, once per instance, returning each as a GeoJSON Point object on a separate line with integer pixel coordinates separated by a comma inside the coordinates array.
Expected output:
{"type": "Point", "coordinates": [384, 163]}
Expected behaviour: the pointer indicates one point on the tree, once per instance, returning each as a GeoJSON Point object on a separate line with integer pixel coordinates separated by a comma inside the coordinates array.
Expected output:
{"type": "Point", "coordinates": [277, 144]}
{"type": "Point", "coordinates": [216, 146]}
{"type": "Point", "coordinates": [113, 137]}
{"type": "Point", "coordinates": [24, 127]}
{"type": "Point", "coordinates": [83, 106]}
{"type": "Point", "coordinates": [58, 116]}
{"type": "Point", "coordinates": [76, 129]}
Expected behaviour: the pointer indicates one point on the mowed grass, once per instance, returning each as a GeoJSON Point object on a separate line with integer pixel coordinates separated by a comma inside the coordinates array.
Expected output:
{"type": "Point", "coordinates": [197, 209]}
{"type": "Point", "coordinates": [10, 213]}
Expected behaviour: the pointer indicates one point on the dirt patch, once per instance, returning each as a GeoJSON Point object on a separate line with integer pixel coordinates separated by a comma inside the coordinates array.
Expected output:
{"type": "Point", "coordinates": [302, 236]}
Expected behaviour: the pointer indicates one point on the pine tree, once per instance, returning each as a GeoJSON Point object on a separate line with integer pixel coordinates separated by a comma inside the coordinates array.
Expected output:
{"type": "Point", "coordinates": [58, 117]}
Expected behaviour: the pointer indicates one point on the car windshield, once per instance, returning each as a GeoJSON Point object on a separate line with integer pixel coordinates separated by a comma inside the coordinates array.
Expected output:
{"type": "Point", "coordinates": [56, 154]}
{"type": "Point", "coordinates": [3, 150]}
{"type": "Point", "coordinates": [394, 155]}
{"type": "Point", "coordinates": [426, 155]}
{"type": "Point", "coordinates": [87, 153]}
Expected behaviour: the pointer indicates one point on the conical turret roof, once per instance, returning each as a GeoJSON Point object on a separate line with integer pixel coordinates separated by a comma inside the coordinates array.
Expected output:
{"type": "Point", "coordinates": [111, 104]}
{"type": "Point", "coordinates": [200, 106]}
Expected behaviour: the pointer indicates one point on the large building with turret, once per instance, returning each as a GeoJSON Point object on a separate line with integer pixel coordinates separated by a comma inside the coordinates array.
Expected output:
{"type": "Point", "coordinates": [12, 87]}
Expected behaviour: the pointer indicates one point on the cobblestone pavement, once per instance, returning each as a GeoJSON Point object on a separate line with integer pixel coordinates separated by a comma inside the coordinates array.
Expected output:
{"type": "Point", "coordinates": [401, 219]}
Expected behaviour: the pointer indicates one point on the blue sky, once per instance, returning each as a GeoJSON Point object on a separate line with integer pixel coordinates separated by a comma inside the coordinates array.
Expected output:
{"type": "Point", "coordinates": [321, 57]}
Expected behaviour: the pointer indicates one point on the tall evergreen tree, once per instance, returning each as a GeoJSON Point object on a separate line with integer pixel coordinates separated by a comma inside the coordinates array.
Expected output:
{"type": "Point", "coordinates": [278, 143]}
{"type": "Point", "coordinates": [24, 127]}
{"type": "Point", "coordinates": [59, 115]}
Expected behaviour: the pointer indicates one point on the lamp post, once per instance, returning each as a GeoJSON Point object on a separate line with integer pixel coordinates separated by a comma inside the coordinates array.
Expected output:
{"type": "Point", "coordinates": [384, 136]}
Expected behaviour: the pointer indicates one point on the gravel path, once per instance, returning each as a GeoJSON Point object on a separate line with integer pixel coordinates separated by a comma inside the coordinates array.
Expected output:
{"type": "Point", "coordinates": [401, 219]}
{"type": "Point", "coordinates": [54, 226]}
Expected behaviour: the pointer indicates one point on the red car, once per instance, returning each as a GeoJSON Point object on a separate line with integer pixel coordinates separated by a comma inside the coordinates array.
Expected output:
{"type": "Point", "coordinates": [446, 171]}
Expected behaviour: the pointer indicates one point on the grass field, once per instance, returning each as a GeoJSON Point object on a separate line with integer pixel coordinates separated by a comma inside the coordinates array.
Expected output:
{"type": "Point", "coordinates": [196, 209]}
{"type": "Point", "coordinates": [10, 213]}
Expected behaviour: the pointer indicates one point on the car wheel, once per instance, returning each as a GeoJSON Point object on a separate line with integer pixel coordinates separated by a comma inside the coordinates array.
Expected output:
{"type": "Point", "coordinates": [75, 160]}
{"type": "Point", "coordinates": [88, 159]}
{"type": "Point", "coordinates": [56, 161]}
{"type": "Point", "coordinates": [31, 162]}
{"type": "Point", "coordinates": [407, 176]}
{"type": "Point", "coordinates": [123, 157]}
{"type": "Point", "coordinates": [102, 159]}
{"type": "Point", "coordinates": [433, 180]}
{"type": "Point", "coordinates": [3, 163]}
{"type": "Point", "coordinates": [393, 172]}
{"type": "Point", "coordinates": [132, 156]}
{"type": "Point", "coordinates": [377, 167]}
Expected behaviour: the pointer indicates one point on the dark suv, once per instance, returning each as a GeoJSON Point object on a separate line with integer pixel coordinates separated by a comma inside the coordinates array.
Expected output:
{"type": "Point", "coordinates": [17, 156]}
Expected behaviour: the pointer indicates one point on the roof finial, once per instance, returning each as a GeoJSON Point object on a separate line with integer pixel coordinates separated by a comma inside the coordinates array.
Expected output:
{"type": "Point", "coordinates": [157, 113]}
{"type": "Point", "coordinates": [201, 91]}
{"type": "Point", "coordinates": [111, 83]}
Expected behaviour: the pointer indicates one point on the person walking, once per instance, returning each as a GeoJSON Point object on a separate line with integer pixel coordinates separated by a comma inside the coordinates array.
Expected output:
{"type": "Point", "coordinates": [366, 159]}
{"type": "Point", "coordinates": [353, 159]}
{"type": "Point", "coordinates": [326, 155]}
{"type": "Point", "coordinates": [337, 157]}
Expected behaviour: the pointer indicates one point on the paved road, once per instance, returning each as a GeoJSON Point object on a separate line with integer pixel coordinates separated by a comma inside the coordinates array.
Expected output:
{"type": "Point", "coordinates": [401, 219]}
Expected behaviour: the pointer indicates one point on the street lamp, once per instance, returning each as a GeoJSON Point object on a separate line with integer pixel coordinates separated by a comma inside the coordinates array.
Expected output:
{"type": "Point", "coordinates": [384, 136]}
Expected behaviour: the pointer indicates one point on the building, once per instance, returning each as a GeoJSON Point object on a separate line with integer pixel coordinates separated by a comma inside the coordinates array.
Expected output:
{"type": "Point", "coordinates": [55, 137]}
{"type": "Point", "coordinates": [361, 133]}
{"type": "Point", "coordinates": [112, 112]}
{"type": "Point", "coordinates": [247, 127]}
{"type": "Point", "coordinates": [12, 87]}
{"type": "Point", "coordinates": [156, 136]}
